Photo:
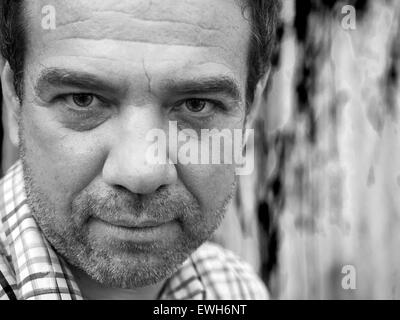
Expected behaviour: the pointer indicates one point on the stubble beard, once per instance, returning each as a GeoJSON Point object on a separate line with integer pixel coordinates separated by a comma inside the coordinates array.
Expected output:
{"type": "Point", "coordinates": [131, 265]}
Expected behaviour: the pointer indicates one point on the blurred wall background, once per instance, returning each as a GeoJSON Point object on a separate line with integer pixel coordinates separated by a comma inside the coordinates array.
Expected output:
{"type": "Point", "coordinates": [329, 162]}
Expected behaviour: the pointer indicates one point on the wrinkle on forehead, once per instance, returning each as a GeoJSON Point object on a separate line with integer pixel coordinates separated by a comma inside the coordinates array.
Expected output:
{"type": "Point", "coordinates": [145, 17]}
{"type": "Point", "coordinates": [147, 75]}
{"type": "Point", "coordinates": [183, 11]}
{"type": "Point", "coordinates": [160, 21]}
{"type": "Point", "coordinates": [104, 26]}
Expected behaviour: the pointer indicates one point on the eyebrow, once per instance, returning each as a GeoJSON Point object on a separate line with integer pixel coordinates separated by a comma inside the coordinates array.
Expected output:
{"type": "Point", "coordinates": [58, 77]}
{"type": "Point", "coordinates": [218, 84]}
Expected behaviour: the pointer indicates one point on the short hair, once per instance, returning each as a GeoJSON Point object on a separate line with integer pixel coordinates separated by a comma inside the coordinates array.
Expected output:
{"type": "Point", "coordinates": [12, 39]}
{"type": "Point", "coordinates": [264, 15]}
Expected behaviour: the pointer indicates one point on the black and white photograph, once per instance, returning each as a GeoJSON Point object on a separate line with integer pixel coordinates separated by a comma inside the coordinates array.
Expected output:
{"type": "Point", "coordinates": [218, 150]}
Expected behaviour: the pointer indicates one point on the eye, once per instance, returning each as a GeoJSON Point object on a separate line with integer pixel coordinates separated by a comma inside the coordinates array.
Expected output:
{"type": "Point", "coordinates": [199, 105]}
{"type": "Point", "coordinates": [82, 100]}
{"type": "Point", "coordinates": [195, 105]}
{"type": "Point", "coordinates": [82, 111]}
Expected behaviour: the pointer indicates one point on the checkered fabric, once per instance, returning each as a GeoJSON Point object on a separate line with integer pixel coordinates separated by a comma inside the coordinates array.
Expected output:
{"type": "Point", "coordinates": [31, 269]}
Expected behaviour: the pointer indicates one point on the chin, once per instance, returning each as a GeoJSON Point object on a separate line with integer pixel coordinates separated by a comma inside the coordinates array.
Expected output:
{"type": "Point", "coordinates": [132, 265]}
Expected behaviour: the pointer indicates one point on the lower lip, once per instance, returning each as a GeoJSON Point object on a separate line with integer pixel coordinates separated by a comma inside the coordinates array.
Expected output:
{"type": "Point", "coordinates": [161, 232]}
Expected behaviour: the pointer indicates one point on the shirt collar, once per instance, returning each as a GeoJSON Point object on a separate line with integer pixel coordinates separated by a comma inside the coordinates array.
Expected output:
{"type": "Point", "coordinates": [40, 273]}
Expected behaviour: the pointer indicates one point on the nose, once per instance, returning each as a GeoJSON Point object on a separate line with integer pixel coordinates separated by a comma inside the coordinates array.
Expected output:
{"type": "Point", "coordinates": [126, 164]}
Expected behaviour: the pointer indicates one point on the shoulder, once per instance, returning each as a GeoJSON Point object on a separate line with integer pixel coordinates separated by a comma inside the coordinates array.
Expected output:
{"type": "Point", "coordinates": [7, 277]}
{"type": "Point", "coordinates": [8, 202]}
{"type": "Point", "coordinates": [226, 276]}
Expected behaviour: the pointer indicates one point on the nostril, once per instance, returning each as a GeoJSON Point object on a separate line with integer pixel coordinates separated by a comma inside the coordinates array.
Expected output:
{"type": "Point", "coordinates": [162, 188]}
{"type": "Point", "coordinates": [125, 168]}
{"type": "Point", "coordinates": [120, 190]}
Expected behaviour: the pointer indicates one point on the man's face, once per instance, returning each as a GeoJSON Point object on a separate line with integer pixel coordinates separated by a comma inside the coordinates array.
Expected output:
{"type": "Point", "coordinates": [109, 73]}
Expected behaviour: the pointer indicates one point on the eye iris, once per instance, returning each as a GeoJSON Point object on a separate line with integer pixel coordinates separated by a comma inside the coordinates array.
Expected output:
{"type": "Point", "coordinates": [82, 100]}
{"type": "Point", "coordinates": [195, 105]}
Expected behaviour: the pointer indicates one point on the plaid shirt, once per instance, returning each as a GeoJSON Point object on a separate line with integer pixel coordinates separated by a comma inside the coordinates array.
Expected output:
{"type": "Point", "coordinates": [31, 269]}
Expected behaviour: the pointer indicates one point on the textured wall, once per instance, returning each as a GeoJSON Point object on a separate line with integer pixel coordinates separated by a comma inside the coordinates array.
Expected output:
{"type": "Point", "coordinates": [335, 100]}
{"type": "Point", "coordinates": [324, 194]}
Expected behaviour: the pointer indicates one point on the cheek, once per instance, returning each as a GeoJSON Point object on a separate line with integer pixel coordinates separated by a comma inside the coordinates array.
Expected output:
{"type": "Point", "coordinates": [63, 162]}
{"type": "Point", "coordinates": [209, 184]}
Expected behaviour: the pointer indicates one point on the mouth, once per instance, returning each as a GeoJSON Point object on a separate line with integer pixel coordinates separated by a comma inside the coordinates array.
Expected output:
{"type": "Point", "coordinates": [144, 231]}
{"type": "Point", "coordinates": [149, 224]}
{"type": "Point", "coordinates": [125, 223]}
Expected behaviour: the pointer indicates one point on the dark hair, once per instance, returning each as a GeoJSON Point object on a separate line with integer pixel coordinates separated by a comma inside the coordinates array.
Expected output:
{"type": "Point", "coordinates": [264, 15]}
{"type": "Point", "coordinates": [264, 21]}
{"type": "Point", "coordinates": [12, 38]}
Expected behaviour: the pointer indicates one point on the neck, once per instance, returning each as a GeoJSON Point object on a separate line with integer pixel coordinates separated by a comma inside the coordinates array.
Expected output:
{"type": "Point", "coordinates": [93, 290]}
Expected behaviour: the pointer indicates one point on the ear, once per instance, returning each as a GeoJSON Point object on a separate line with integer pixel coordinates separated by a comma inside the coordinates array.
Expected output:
{"type": "Point", "coordinates": [11, 103]}
{"type": "Point", "coordinates": [258, 100]}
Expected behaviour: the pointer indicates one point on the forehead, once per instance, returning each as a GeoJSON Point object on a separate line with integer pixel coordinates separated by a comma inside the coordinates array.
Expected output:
{"type": "Point", "coordinates": [189, 33]}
